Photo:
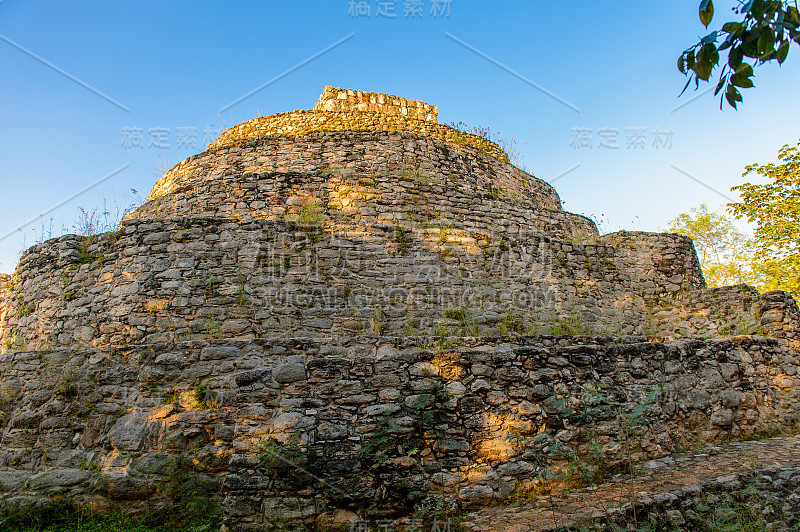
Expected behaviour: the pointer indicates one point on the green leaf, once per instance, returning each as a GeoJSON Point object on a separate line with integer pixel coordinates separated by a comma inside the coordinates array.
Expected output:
{"type": "Point", "coordinates": [731, 27]}
{"type": "Point", "coordinates": [720, 85]}
{"type": "Point", "coordinates": [766, 42]}
{"type": "Point", "coordinates": [793, 15]}
{"type": "Point", "coordinates": [706, 12]}
{"type": "Point", "coordinates": [736, 94]}
{"type": "Point", "coordinates": [783, 51]}
{"type": "Point", "coordinates": [705, 61]}
{"type": "Point", "coordinates": [685, 87]}
{"type": "Point", "coordinates": [750, 49]}
{"type": "Point", "coordinates": [758, 8]}
{"type": "Point", "coordinates": [711, 37]}
{"type": "Point", "coordinates": [703, 70]}
{"type": "Point", "coordinates": [735, 57]}
{"type": "Point", "coordinates": [741, 81]}
{"type": "Point", "coordinates": [733, 96]}
{"type": "Point", "coordinates": [745, 69]}
{"type": "Point", "coordinates": [731, 101]}
{"type": "Point", "coordinates": [682, 63]}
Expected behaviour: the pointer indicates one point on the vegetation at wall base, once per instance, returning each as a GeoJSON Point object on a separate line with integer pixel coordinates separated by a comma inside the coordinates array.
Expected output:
{"type": "Point", "coordinates": [62, 515]}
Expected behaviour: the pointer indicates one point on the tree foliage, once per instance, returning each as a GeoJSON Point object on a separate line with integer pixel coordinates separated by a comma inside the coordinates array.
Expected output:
{"type": "Point", "coordinates": [763, 32]}
{"type": "Point", "coordinates": [774, 208]}
{"type": "Point", "coordinates": [726, 254]}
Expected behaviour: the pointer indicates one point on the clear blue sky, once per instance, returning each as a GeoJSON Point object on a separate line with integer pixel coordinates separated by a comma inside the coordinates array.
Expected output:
{"type": "Point", "coordinates": [175, 64]}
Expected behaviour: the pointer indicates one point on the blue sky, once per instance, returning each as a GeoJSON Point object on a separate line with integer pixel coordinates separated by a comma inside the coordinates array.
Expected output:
{"type": "Point", "coordinates": [168, 68]}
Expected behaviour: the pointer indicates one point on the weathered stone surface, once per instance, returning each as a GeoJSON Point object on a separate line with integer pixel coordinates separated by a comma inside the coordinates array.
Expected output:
{"type": "Point", "coordinates": [288, 373]}
{"type": "Point", "coordinates": [128, 432]}
{"type": "Point", "coordinates": [59, 478]}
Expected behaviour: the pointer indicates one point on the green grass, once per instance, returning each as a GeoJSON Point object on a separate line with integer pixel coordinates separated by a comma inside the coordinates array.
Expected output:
{"type": "Point", "coordinates": [188, 505]}
{"type": "Point", "coordinates": [63, 516]}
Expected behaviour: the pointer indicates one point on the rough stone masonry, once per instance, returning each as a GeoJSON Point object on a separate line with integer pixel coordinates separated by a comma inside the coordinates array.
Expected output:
{"type": "Point", "coordinates": [382, 300]}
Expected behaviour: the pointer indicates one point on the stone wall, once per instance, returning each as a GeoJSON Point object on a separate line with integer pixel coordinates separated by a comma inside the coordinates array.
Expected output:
{"type": "Point", "coordinates": [192, 278]}
{"type": "Point", "coordinates": [728, 311]}
{"type": "Point", "coordinates": [780, 318]}
{"type": "Point", "coordinates": [363, 179]}
{"type": "Point", "coordinates": [347, 100]}
{"type": "Point", "coordinates": [712, 312]}
{"type": "Point", "coordinates": [387, 254]}
{"type": "Point", "coordinates": [380, 425]}
{"type": "Point", "coordinates": [298, 124]}
{"type": "Point", "coordinates": [6, 304]}
{"type": "Point", "coordinates": [669, 255]}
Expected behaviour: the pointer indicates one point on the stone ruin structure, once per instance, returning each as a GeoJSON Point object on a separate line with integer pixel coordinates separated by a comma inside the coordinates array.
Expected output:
{"type": "Point", "coordinates": [382, 299]}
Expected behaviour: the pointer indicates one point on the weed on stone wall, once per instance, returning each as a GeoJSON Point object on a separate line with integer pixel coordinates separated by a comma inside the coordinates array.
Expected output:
{"type": "Point", "coordinates": [291, 460]}
{"type": "Point", "coordinates": [206, 398]}
{"type": "Point", "coordinates": [511, 324]}
{"type": "Point", "coordinates": [85, 256]}
{"type": "Point", "coordinates": [454, 323]}
{"type": "Point", "coordinates": [588, 459]}
{"type": "Point", "coordinates": [310, 213]}
{"type": "Point", "coordinates": [571, 325]}
{"type": "Point", "coordinates": [402, 239]}
{"type": "Point", "coordinates": [401, 439]}
{"type": "Point", "coordinates": [215, 331]}
{"type": "Point", "coordinates": [483, 138]}
{"type": "Point", "coordinates": [67, 387]}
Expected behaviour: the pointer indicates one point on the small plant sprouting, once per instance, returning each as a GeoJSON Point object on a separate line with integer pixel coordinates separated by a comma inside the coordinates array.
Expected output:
{"type": "Point", "coordinates": [458, 314]}
{"type": "Point", "coordinates": [310, 213]}
{"type": "Point", "coordinates": [207, 398]}
{"type": "Point", "coordinates": [215, 329]}
{"type": "Point", "coordinates": [511, 324]}
{"type": "Point", "coordinates": [570, 326]}
{"type": "Point", "coordinates": [242, 298]}
{"type": "Point", "coordinates": [172, 396]}
{"type": "Point", "coordinates": [86, 257]}
{"type": "Point", "coordinates": [408, 327]}
{"type": "Point", "coordinates": [67, 387]}
{"type": "Point", "coordinates": [212, 288]}
{"type": "Point", "coordinates": [402, 239]}
{"type": "Point", "coordinates": [291, 459]}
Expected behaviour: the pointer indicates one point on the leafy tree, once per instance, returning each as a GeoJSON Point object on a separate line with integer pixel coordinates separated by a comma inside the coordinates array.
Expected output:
{"type": "Point", "coordinates": [725, 253]}
{"type": "Point", "coordinates": [774, 207]}
{"type": "Point", "coordinates": [763, 32]}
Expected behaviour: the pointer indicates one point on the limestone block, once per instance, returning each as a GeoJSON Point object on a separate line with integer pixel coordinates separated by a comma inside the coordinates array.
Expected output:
{"type": "Point", "coordinates": [128, 432]}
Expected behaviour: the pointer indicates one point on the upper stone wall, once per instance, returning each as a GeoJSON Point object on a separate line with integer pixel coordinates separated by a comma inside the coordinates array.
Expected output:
{"type": "Point", "coordinates": [301, 123]}
{"type": "Point", "coordinates": [376, 177]}
{"type": "Point", "coordinates": [171, 279]}
{"type": "Point", "coordinates": [347, 100]}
